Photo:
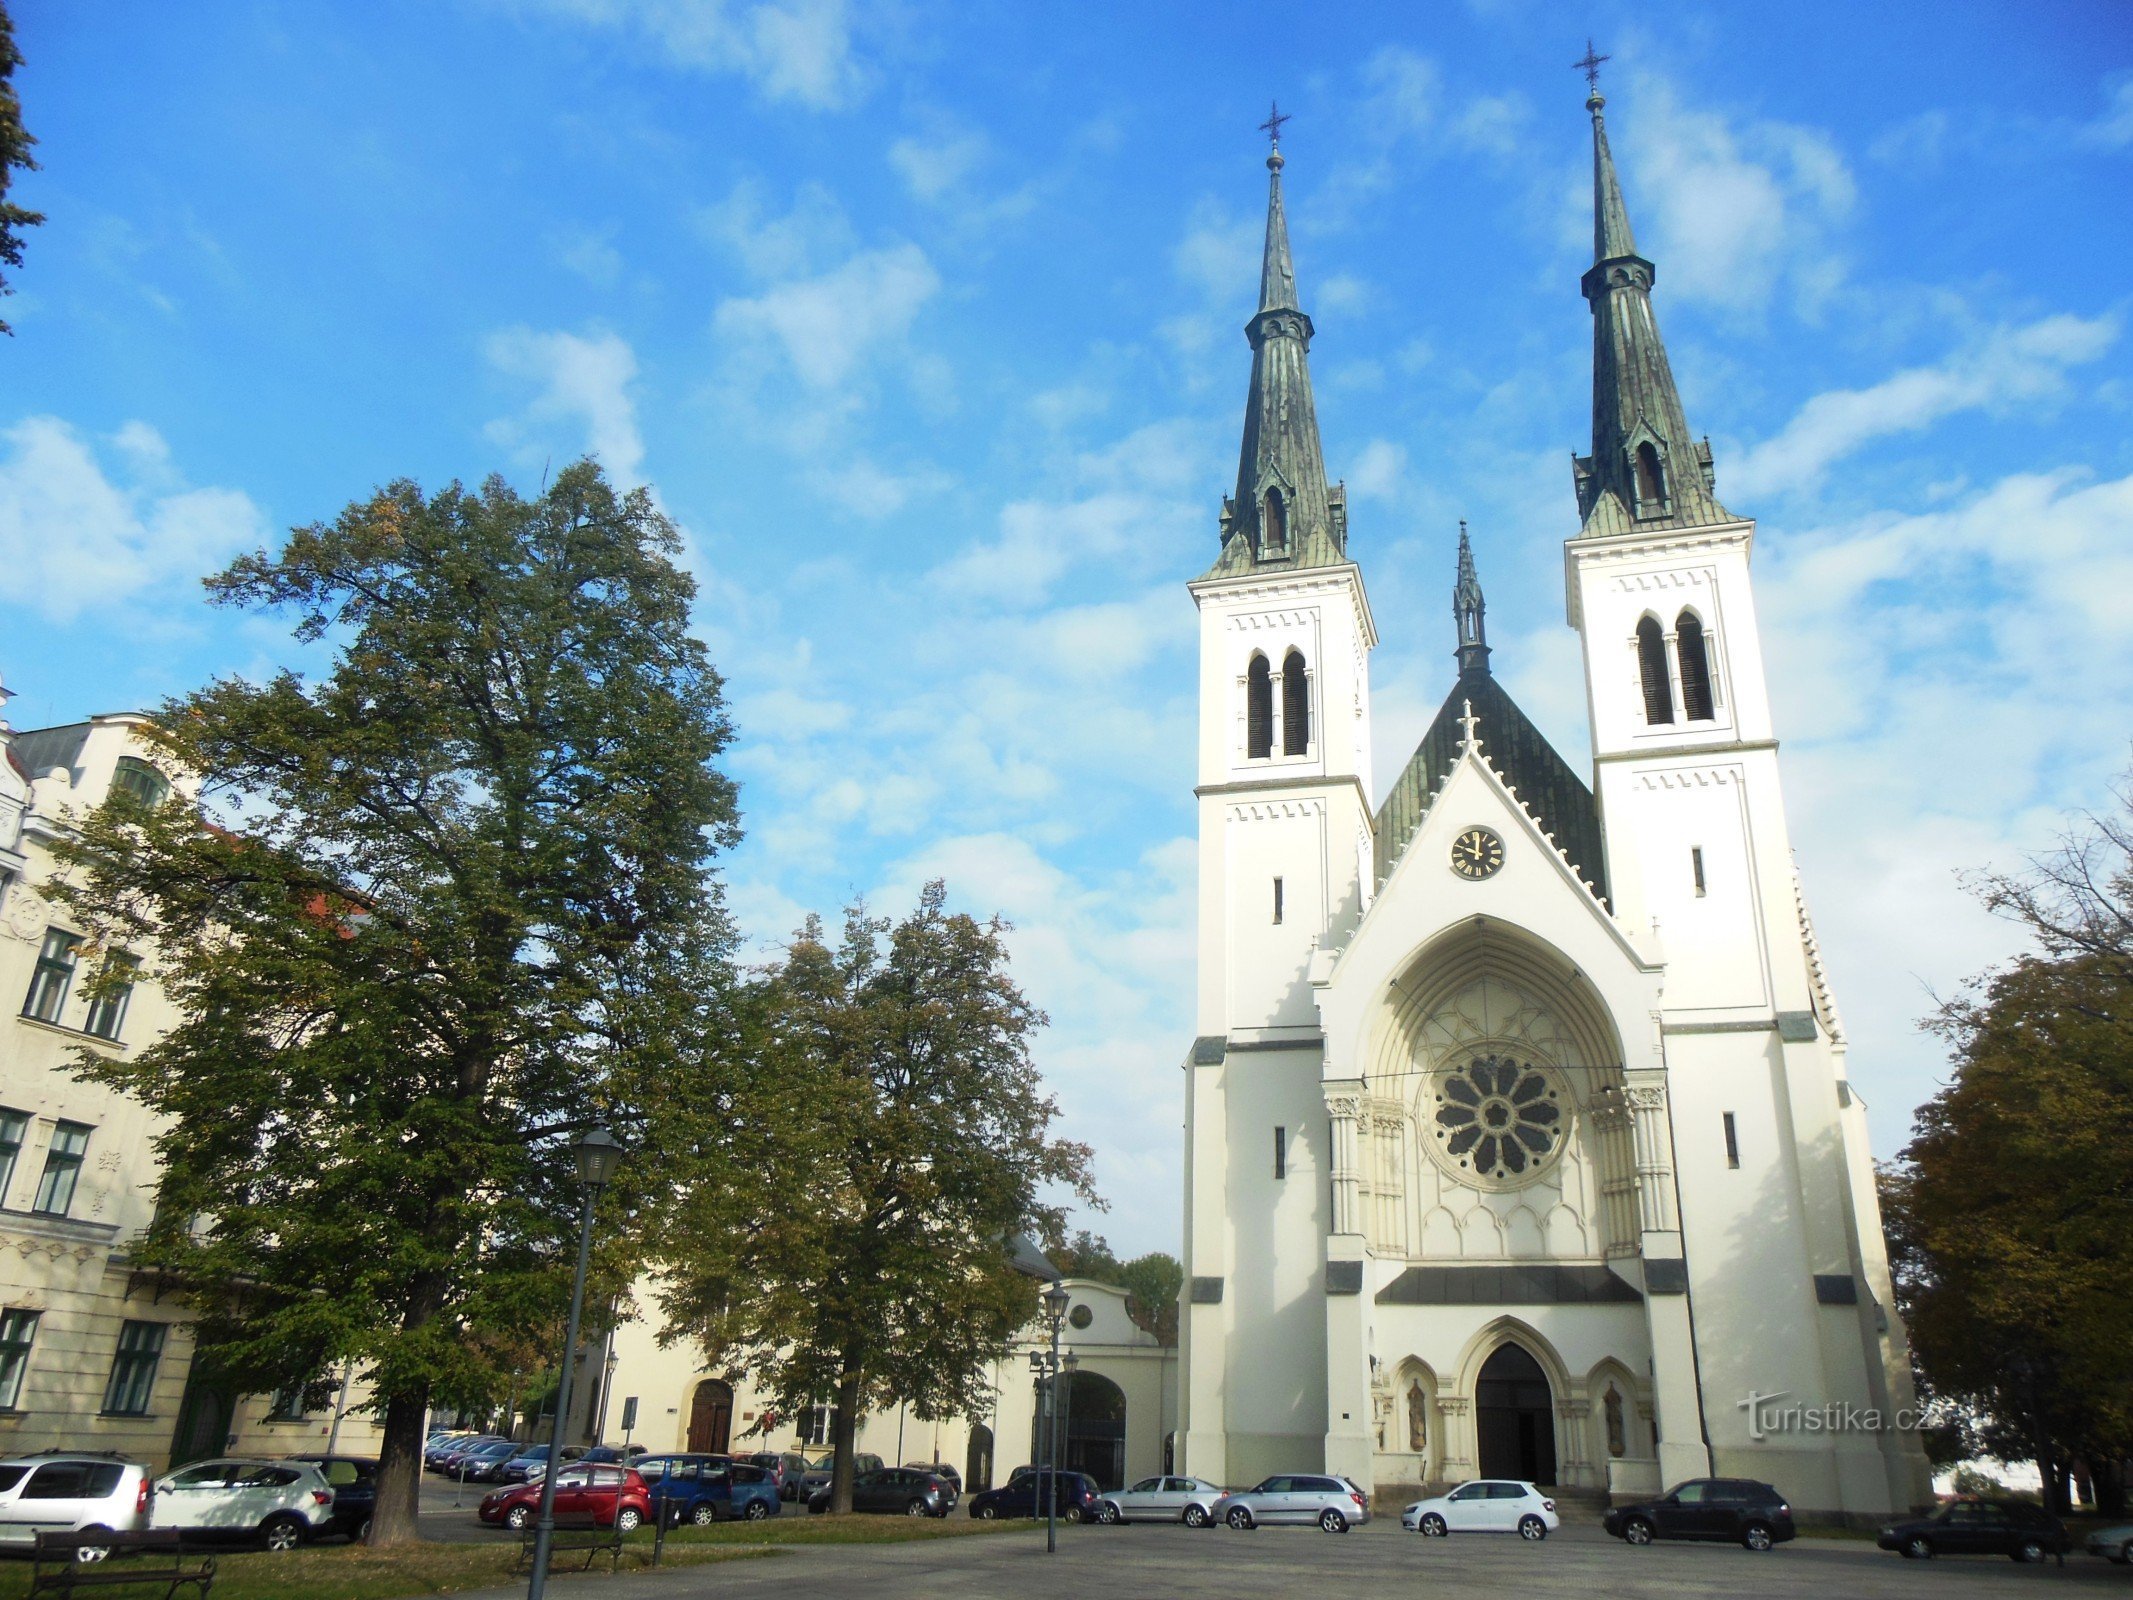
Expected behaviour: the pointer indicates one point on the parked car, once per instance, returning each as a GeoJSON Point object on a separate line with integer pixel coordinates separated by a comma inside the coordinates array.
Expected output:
{"type": "Point", "coordinates": [1488, 1505]}
{"type": "Point", "coordinates": [1738, 1510]}
{"type": "Point", "coordinates": [624, 1454]}
{"type": "Point", "coordinates": [818, 1473]}
{"type": "Point", "coordinates": [705, 1489]}
{"type": "Point", "coordinates": [1980, 1528]}
{"type": "Point", "coordinates": [787, 1468]}
{"type": "Point", "coordinates": [1184, 1500]}
{"type": "Point", "coordinates": [2113, 1544]}
{"type": "Point", "coordinates": [1334, 1504]}
{"type": "Point", "coordinates": [446, 1458]}
{"type": "Point", "coordinates": [603, 1494]}
{"type": "Point", "coordinates": [940, 1469]}
{"type": "Point", "coordinates": [1024, 1495]}
{"type": "Point", "coordinates": [354, 1482]}
{"type": "Point", "coordinates": [55, 1493]}
{"type": "Point", "coordinates": [896, 1489]}
{"type": "Point", "coordinates": [532, 1460]}
{"type": "Point", "coordinates": [483, 1465]}
{"type": "Point", "coordinates": [281, 1503]}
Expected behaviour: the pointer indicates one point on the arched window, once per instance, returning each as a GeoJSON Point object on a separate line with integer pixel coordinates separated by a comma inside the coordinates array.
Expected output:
{"type": "Point", "coordinates": [1275, 525]}
{"type": "Point", "coordinates": [1258, 709]}
{"type": "Point", "coordinates": [1295, 706]}
{"type": "Point", "coordinates": [1695, 668]}
{"type": "Point", "coordinates": [139, 779]}
{"type": "Point", "coordinates": [1651, 662]}
{"type": "Point", "coordinates": [1651, 481]}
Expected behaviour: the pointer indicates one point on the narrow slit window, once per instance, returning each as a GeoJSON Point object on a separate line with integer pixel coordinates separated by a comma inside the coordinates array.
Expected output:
{"type": "Point", "coordinates": [1732, 1142]}
{"type": "Point", "coordinates": [1276, 523]}
{"type": "Point", "coordinates": [1651, 480]}
{"type": "Point", "coordinates": [1651, 666]}
{"type": "Point", "coordinates": [1696, 867]}
{"type": "Point", "coordinates": [1258, 709]}
{"type": "Point", "coordinates": [1281, 1152]}
{"type": "Point", "coordinates": [1695, 667]}
{"type": "Point", "coordinates": [1277, 899]}
{"type": "Point", "coordinates": [1295, 705]}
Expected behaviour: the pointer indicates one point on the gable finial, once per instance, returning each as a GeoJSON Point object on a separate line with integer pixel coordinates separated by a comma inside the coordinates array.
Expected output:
{"type": "Point", "coordinates": [1469, 740]}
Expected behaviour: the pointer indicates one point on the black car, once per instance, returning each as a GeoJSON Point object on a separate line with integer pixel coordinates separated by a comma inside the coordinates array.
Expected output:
{"type": "Point", "coordinates": [354, 1480]}
{"type": "Point", "coordinates": [1737, 1510]}
{"type": "Point", "coordinates": [1024, 1495]}
{"type": "Point", "coordinates": [1980, 1528]}
{"type": "Point", "coordinates": [893, 1489]}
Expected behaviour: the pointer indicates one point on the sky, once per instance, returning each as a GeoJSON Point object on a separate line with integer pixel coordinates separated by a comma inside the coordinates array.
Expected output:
{"type": "Point", "coordinates": [925, 323]}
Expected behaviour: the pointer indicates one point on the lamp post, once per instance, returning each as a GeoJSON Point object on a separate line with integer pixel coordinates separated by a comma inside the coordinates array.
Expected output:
{"type": "Point", "coordinates": [1055, 1307]}
{"type": "Point", "coordinates": [598, 1155]}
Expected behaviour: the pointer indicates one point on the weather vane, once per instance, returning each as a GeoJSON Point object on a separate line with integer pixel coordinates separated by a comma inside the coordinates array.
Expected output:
{"type": "Point", "coordinates": [1590, 66]}
{"type": "Point", "coordinates": [1272, 126]}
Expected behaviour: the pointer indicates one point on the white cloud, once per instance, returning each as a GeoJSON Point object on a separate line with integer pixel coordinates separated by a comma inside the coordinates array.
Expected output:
{"type": "Point", "coordinates": [1380, 467]}
{"type": "Point", "coordinates": [790, 50]}
{"type": "Point", "coordinates": [935, 168]}
{"type": "Point", "coordinates": [75, 538]}
{"type": "Point", "coordinates": [827, 325]}
{"type": "Point", "coordinates": [867, 489]}
{"type": "Point", "coordinates": [772, 245]}
{"type": "Point", "coordinates": [2008, 365]}
{"type": "Point", "coordinates": [592, 256]}
{"type": "Point", "coordinates": [2113, 130]}
{"type": "Point", "coordinates": [583, 386]}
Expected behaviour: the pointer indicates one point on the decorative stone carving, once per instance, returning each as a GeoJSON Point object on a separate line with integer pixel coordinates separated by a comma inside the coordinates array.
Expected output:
{"type": "Point", "coordinates": [1417, 1419]}
{"type": "Point", "coordinates": [1617, 1429]}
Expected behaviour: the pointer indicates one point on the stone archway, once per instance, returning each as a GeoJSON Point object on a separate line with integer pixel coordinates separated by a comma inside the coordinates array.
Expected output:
{"type": "Point", "coordinates": [1514, 1416]}
{"type": "Point", "coordinates": [977, 1462]}
{"type": "Point", "coordinates": [1092, 1434]}
{"type": "Point", "coordinates": [711, 1418]}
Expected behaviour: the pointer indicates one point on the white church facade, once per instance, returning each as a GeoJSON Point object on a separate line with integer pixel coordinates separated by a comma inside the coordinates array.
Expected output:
{"type": "Point", "coordinates": [1519, 1140]}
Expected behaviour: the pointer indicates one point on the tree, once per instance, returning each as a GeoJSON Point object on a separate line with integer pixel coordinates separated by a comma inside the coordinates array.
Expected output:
{"type": "Point", "coordinates": [448, 899]}
{"type": "Point", "coordinates": [2012, 1208]}
{"type": "Point", "coordinates": [15, 142]}
{"type": "Point", "coordinates": [888, 1079]}
{"type": "Point", "coordinates": [1152, 1282]}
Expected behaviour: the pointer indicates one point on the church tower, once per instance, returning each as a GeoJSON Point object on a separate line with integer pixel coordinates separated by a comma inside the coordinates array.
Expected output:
{"type": "Point", "coordinates": [1787, 1278]}
{"type": "Point", "coordinates": [1285, 864]}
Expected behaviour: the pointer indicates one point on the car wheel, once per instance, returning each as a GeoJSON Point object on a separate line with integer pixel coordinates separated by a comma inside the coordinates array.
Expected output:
{"type": "Point", "coordinates": [362, 1533]}
{"type": "Point", "coordinates": [1433, 1527]}
{"type": "Point", "coordinates": [1918, 1547]}
{"type": "Point", "coordinates": [757, 1510]}
{"type": "Point", "coordinates": [1196, 1516]}
{"type": "Point", "coordinates": [282, 1533]}
{"type": "Point", "coordinates": [93, 1552]}
{"type": "Point", "coordinates": [1108, 1515]}
{"type": "Point", "coordinates": [1531, 1527]}
{"type": "Point", "coordinates": [1238, 1517]}
{"type": "Point", "coordinates": [519, 1518]}
{"type": "Point", "coordinates": [917, 1508]}
{"type": "Point", "coordinates": [1755, 1536]}
{"type": "Point", "coordinates": [703, 1515]}
{"type": "Point", "coordinates": [2030, 1551]}
{"type": "Point", "coordinates": [1332, 1521]}
{"type": "Point", "coordinates": [1636, 1531]}
{"type": "Point", "coordinates": [627, 1519]}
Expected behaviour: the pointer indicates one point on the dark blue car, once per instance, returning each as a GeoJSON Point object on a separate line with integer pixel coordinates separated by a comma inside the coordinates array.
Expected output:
{"type": "Point", "coordinates": [1026, 1493]}
{"type": "Point", "coordinates": [708, 1489]}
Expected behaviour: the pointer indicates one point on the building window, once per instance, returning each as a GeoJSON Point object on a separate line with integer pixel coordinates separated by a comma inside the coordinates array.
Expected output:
{"type": "Point", "coordinates": [815, 1423]}
{"type": "Point", "coordinates": [1295, 705]}
{"type": "Point", "coordinates": [18, 1331]}
{"type": "Point", "coordinates": [1281, 1152]}
{"type": "Point", "coordinates": [1276, 523]}
{"type": "Point", "coordinates": [13, 1125]}
{"type": "Point", "coordinates": [113, 990]}
{"type": "Point", "coordinates": [62, 1168]}
{"type": "Point", "coordinates": [55, 973]}
{"type": "Point", "coordinates": [140, 780]}
{"type": "Point", "coordinates": [1732, 1142]}
{"type": "Point", "coordinates": [1651, 664]}
{"type": "Point", "coordinates": [1651, 481]}
{"type": "Point", "coordinates": [133, 1369]}
{"type": "Point", "coordinates": [1277, 899]}
{"type": "Point", "coordinates": [1695, 668]}
{"type": "Point", "coordinates": [1258, 709]}
{"type": "Point", "coordinates": [1696, 868]}
{"type": "Point", "coordinates": [288, 1404]}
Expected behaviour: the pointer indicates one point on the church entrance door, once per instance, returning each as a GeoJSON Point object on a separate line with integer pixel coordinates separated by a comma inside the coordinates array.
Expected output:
{"type": "Point", "coordinates": [711, 1418]}
{"type": "Point", "coordinates": [1514, 1414]}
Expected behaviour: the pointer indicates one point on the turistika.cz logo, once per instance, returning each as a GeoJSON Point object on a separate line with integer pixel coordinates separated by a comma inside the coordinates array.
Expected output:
{"type": "Point", "coordinates": [1769, 1413]}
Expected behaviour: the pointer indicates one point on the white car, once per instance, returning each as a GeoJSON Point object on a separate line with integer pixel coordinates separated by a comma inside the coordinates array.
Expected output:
{"type": "Point", "coordinates": [1487, 1505]}
{"type": "Point", "coordinates": [70, 1494]}
{"type": "Point", "coordinates": [282, 1503]}
{"type": "Point", "coordinates": [1184, 1500]}
{"type": "Point", "coordinates": [2113, 1544]}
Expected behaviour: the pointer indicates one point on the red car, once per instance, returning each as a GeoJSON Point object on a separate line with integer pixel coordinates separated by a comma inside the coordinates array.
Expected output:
{"type": "Point", "coordinates": [605, 1496]}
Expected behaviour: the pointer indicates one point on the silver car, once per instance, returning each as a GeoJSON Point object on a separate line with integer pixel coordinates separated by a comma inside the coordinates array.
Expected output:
{"type": "Point", "coordinates": [1185, 1500]}
{"type": "Point", "coordinates": [71, 1494]}
{"type": "Point", "coordinates": [1333, 1503]}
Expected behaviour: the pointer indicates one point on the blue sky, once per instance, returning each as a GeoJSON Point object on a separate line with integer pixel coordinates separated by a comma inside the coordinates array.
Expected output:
{"type": "Point", "coordinates": [925, 322]}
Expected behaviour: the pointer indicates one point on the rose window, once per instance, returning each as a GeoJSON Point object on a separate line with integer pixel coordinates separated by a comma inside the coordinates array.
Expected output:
{"type": "Point", "coordinates": [1499, 1119]}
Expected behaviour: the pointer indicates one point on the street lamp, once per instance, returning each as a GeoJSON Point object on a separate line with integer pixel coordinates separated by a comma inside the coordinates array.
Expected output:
{"type": "Point", "coordinates": [1055, 1309]}
{"type": "Point", "coordinates": [598, 1154]}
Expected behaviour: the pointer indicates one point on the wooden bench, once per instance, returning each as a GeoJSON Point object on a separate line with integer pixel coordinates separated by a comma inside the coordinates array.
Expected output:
{"type": "Point", "coordinates": [569, 1544]}
{"type": "Point", "coordinates": [68, 1562]}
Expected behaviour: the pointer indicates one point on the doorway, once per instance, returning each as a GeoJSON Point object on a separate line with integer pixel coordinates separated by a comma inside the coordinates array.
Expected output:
{"type": "Point", "coordinates": [1514, 1414]}
{"type": "Point", "coordinates": [203, 1422]}
{"type": "Point", "coordinates": [1093, 1439]}
{"type": "Point", "coordinates": [977, 1464]}
{"type": "Point", "coordinates": [711, 1418]}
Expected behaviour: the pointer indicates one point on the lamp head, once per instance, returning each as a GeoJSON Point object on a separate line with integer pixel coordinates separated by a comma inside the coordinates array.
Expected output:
{"type": "Point", "coordinates": [1071, 1362]}
{"type": "Point", "coordinates": [1055, 1302]}
{"type": "Point", "coordinates": [599, 1154]}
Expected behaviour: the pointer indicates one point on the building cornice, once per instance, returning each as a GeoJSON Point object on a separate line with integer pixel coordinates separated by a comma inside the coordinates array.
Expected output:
{"type": "Point", "coordinates": [1346, 577]}
{"type": "Point", "coordinates": [1290, 785]}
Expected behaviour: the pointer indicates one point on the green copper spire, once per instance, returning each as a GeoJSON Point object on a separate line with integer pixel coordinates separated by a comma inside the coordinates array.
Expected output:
{"type": "Point", "coordinates": [1282, 515]}
{"type": "Point", "coordinates": [1645, 470]}
{"type": "Point", "coordinates": [1467, 610]}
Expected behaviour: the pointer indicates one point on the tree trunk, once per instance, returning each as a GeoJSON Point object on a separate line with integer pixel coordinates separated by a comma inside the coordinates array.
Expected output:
{"type": "Point", "coordinates": [400, 1471]}
{"type": "Point", "coordinates": [844, 1429]}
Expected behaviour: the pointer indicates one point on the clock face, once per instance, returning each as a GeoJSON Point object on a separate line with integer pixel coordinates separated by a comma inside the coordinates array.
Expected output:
{"type": "Point", "coordinates": [1477, 853]}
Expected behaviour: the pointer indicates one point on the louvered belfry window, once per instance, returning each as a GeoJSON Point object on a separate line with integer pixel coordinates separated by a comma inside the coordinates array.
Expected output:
{"type": "Point", "coordinates": [1651, 662]}
{"type": "Point", "coordinates": [1276, 526]}
{"type": "Point", "coordinates": [1696, 702]}
{"type": "Point", "coordinates": [1258, 709]}
{"type": "Point", "coordinates": [1295, 706]}
{"type": "Point", "coordinates": [1651, 481]}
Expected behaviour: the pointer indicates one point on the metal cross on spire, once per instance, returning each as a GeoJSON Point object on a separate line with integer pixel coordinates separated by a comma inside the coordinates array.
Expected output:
{"type": "Point", "coordinates": [1590, 66]}
{"type": "Point", "coordinates": [1272, 126]}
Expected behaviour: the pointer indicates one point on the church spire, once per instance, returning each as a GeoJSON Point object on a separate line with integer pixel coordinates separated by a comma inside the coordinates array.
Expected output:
{"type": "Point", "coordinates": [1467, 609]}
{"type": "Point", "coordinates": [1283, 511]}
{"type": "Point", "coordinates": [1645, 471]}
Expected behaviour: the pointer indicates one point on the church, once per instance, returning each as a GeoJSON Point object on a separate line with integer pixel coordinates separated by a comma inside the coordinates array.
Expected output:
{"type": "Point", "coordinates": [1518, 1140]}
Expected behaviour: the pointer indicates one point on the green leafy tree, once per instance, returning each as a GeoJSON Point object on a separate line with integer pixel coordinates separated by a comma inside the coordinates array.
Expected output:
{"type": "Point", "coordinates": [2012, 1208]}
{"type": "Point", "coordinates": [15, 142]}
{"type": "Point", "coordinates": [889, 1082]}
{"type": "Point", "coordinates": [448, 897]}
{"type": "Point", "coordinates": [1152, 1282]}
